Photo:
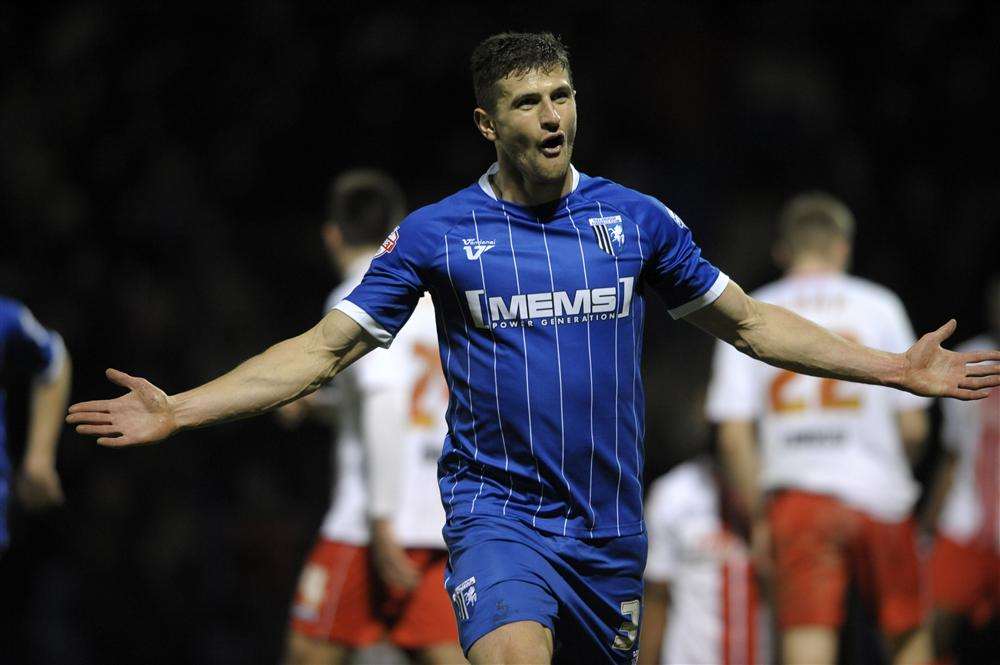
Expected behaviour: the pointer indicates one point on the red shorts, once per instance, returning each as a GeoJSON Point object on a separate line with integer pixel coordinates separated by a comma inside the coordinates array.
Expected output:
{"type": "Point", "coordinates": [965, 579]}
{"type": "Point", "coordinates": [820, 545]}
{"type": "Point", "coordinates": [339, 599]}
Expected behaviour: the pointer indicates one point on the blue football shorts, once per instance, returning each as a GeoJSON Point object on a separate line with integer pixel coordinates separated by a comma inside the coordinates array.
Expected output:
{"type": "Point", "coordinates": [588, 592]}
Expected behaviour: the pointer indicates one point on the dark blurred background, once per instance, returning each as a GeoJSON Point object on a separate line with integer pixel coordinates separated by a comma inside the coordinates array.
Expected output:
{"type": "Point", "coordinates": [164, 171]}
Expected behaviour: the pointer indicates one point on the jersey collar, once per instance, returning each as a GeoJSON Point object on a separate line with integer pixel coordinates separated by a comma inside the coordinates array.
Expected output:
{"type": "Point", "coordinates": [484, 180]}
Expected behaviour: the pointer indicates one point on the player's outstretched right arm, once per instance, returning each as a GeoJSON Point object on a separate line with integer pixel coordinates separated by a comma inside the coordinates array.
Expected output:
{"type": "Point", "coordinates": [284, 372]}
{"type": "Point", "coordinates": [784, 339]}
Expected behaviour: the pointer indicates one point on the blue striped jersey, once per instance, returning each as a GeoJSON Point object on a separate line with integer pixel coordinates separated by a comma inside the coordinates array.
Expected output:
{"type": "Point", "coordinates": [540, 320]}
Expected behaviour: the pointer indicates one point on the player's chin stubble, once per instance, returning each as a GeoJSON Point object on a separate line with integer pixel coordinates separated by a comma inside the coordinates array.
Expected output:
{"type": "Point", "coordinates": [552, 170]}
{"type": "Point", "coordinates": [536, 167]}
{"type": "Point", "coordinates": [539, 168]}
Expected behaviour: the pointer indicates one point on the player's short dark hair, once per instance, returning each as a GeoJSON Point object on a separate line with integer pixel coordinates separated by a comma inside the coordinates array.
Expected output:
{"type": "Point", "coordinates": [513, 54]}
{"type": "Point", "coordinates": [365, 204]}
{"type": "Point", "coordinates": [810, 221]}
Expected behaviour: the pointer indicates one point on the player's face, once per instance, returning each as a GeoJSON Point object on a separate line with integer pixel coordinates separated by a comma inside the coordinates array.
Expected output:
{"type": "Point", "coordinates": [535, 123]}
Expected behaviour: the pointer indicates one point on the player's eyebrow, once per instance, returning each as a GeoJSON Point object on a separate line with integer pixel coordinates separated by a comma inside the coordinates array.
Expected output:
{"type": "Point", "coordinates": [525, 97]}
{"type": "Point", "coordinates": [534, 96]}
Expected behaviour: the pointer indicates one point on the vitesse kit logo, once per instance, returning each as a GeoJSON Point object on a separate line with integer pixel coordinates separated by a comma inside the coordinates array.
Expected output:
{"type": "Point", "coordinates": [474, 248]}
{"type": "Point", "coordinates": [551, 307]}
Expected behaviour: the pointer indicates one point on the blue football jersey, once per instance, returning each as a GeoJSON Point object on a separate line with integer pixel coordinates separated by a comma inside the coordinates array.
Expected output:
{"type": "Point", "coordinates": [26, 349]}
{"type": "Point", "coordinates": [540, 317]}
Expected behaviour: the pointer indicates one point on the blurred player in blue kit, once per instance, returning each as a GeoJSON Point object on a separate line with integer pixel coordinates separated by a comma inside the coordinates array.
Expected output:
{"type": "Point", "coordinates": [29, 351]}
{"type": "Point", "coordinates": [539, 276]}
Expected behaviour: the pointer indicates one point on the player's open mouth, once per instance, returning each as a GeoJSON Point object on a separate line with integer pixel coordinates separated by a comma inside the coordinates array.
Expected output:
{"type": "Point", "coordinates": [553, 145]}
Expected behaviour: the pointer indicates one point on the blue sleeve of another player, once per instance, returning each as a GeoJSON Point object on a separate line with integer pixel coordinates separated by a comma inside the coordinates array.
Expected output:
{"type": "Point", "coordinates": [676, 269]}
{"type": "Point", "coordinates": [394, 283]}
{"type": "Point", "coordinates": [32, 349]}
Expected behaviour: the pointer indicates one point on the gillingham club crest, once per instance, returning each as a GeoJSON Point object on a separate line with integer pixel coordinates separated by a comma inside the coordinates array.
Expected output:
{"type": "Point", "coordinates": [608, 233]}
{"type": "Point", "coordinates": [464, 598]}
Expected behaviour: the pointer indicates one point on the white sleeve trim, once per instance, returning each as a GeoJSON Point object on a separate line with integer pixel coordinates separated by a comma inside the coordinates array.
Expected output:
{"type": "Point", "coordinates": [363, 319]}
{"type": "Point", "coordinates": [706, 298]}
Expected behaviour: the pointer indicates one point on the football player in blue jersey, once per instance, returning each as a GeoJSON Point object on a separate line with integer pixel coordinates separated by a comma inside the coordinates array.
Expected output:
{"type": "Point", "coordinates": [29, 351]}
{"type": "Point", "coordinates": [539, 275]}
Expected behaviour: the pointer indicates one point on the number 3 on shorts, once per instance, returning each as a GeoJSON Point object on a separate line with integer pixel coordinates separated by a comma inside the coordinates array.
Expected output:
{"type": "Point", "coordinates": [630, 608]}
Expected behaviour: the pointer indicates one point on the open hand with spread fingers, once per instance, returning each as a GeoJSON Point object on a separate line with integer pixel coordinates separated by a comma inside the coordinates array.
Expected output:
{"type": "Point", "coordinates": [933, 371]}
{"type": "Point", "coordinates": [142, 416]}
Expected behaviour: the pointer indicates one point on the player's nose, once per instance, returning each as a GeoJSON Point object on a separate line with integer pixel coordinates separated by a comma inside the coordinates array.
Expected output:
{"type": "Point", "coordinates": [549, 117]}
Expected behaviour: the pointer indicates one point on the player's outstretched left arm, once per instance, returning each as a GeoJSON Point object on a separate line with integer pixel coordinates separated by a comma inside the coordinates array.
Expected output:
{"type": "Point", "coordinates": [282, 373]}
{"type": "Point", "coordinates": [781, 338]}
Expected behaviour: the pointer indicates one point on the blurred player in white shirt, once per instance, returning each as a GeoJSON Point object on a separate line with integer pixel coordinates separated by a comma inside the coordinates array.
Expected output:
{"type": "Point", "coordinates": [701, 603]}
{"type": "Point", "coordinates": [965, 503]}
{"type": "Point", "coordinates": [835, 486]}
{"type": "Point", "coordinates": [377, 570]}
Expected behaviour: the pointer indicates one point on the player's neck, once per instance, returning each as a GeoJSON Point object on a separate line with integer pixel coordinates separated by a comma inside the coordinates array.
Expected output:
{"type": "Point", "coordinates": [509, 184]}
{"type": "Point", "coordinates": [346, 257]}
{"type": "Point", "coordinates": [813, 265]}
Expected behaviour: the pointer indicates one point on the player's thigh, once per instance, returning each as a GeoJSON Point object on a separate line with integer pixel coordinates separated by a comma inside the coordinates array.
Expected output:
{"type": "Point", "coordinates": [599, 588]}
{"type": "Point", "coordinates": [587, 593]}
{"type": "Point", "coordinates": [810, 536]}
{"type": "Point", "coordinates": [497, 575]}
{"type": "Point", "coordinates": [302, 650]}
{"type": "Point", "coordinates": [521, 642]}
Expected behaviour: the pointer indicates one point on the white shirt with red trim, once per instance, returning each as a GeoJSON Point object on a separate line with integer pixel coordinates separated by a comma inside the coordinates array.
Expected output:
{"type": "Point", "coordinates": [410, 372]}
{"type": "Point", "coordinates": [714, 614]}
{"type": "Point", "coordinates": [820, 435]}
{"type": "Point", "coordinates": [971, 430]}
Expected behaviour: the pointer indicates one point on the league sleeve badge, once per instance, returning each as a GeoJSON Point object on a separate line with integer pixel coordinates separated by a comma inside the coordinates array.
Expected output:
{"type": "Point", "coordinates": [388, 244]}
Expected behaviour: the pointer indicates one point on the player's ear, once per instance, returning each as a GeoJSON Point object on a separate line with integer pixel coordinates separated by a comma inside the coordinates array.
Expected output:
{"type": "Point", "coordinates": [333, 237]}
{"type": "Point", "coordinates": [842, 254]}
{"type": "Point", "coordinates": [484, 123]}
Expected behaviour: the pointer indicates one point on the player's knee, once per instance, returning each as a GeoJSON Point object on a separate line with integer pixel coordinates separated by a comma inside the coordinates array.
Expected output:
{"type": "Point", "coordinates": [302, 650]}
{"type": "Point", "coordinates": [521, 642]}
